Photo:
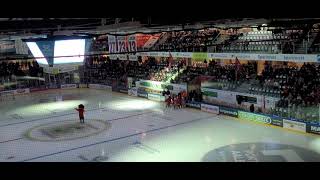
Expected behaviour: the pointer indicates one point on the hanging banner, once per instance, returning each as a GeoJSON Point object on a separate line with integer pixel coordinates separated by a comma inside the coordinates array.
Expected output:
{"type": "Point", "coordinates": [121, 44]}
{"type": "Point", "coordinates": [152, 41]}
{"type": "Point", "coordinates": [88, 45]}
{"type": "Point", "coordinates": [142, 39]}
{"type": "Point", "coordinates": [132, 44]}
{"type": "Point", "coordinates": [47, 49]}
{"type": "Point", "coordinates": [112, 43]}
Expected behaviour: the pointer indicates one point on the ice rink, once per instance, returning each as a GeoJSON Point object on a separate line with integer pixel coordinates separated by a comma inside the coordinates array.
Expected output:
{"type": "Point", "coordinates": [43, 126]}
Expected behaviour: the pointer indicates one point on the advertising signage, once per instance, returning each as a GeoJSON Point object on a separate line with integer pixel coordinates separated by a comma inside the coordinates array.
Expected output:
{"type": "Point", "coordinates": [254, 117]}
{"type": "Point", "coordinates": [228, 111]}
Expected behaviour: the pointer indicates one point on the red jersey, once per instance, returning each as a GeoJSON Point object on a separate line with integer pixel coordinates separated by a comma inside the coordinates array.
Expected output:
{"type": "Point", "coordinates": [81, 112]}
{"type": "Point", "coordinates": [179, 100]}
{"type": "Point", "coordinates": [168, 100]}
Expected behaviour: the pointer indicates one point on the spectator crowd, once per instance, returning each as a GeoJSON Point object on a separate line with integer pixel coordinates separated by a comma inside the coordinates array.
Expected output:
{"type": "Point", "coordinates": [195, 40]}
{"type": "Point", "coordinates": [299, 88]}
{"type": "Point", "coordinates": [8, 69]}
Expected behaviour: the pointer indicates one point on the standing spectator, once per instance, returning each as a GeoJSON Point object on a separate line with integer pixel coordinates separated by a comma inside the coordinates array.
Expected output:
{"type": "Point", "coordinates": [252, 108]}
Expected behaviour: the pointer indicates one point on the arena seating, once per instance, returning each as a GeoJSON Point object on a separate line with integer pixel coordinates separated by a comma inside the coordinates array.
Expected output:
{"type": "Point", "coordinates": [264, 42]}
{"type": "Point", "coordinates": [10, 69]}
{"type": "Point", "coordinates": [188, 41]}
{"type": "Point", "coordinates": [215, 40]}
{"type": "Point", "coordinates": [100, 44]}
{"type": "Point", "coordinates": [99, 68]}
